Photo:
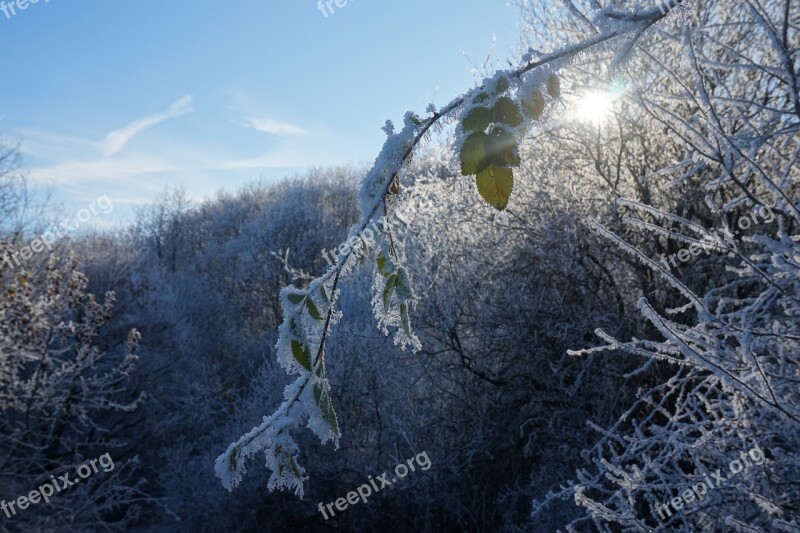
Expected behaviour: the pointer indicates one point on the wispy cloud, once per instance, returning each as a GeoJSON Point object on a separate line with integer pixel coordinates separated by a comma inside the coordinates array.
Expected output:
{"type": "Point", "coordinates": [78, 165]}
{"type": "Point", "coordinates": [273, 127]}
{"type": "Point", "coordinates": [117, 139]}
{"type": "Point", "coordinates": [117, 170]}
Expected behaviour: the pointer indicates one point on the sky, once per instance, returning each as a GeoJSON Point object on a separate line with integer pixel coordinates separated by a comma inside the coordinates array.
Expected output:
{"type": "Point", "coordinates": [122, 99]}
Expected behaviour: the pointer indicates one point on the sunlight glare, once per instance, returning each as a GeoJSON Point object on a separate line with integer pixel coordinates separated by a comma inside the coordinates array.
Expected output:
{"type": "Point", "coordinates": [595, 107]}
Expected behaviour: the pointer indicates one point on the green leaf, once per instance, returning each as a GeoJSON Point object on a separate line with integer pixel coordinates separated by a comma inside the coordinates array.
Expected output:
{"type": "Point", "coordinates": [505, 111]}
{"type": "Point", "coordinates": [293, 467]}
{"type": "Point", "coordinates": [382, 262]}
{"type": "Point", "coordinates": [301, 354]}
{"type": "Point", "coordinates": [323, 397]}
{"type": "Point", "coordinates": [296, 298]}
{"type": "Point", "coordinates": [480, 98]}
{"type": "Point", "coordinates": [324, 293]}
{"type": "Point", "coordinates": [391, 281]}
{"type": "Point", "coordinates": [312, 310]}
{"type": "Point", "coordinates": [495, 185]}
{"type": "Point", "coordinates": [502, 85]}
{"type": "Point", "coordinates": [501, 148]}
{"type": "Point", "coordinates": [402, 287]}
{"type": "Point", "coordinates": [404, 318]}
{"type": "Point", "coordinates": [510, 157]}
{"type": "Point", "coordinates": [534, 104]}
{"type": "Point", "coordinates": [233, 458]}
{"type": "Point", "coordinates": [476, 120]}
{"type": "Point", "coordinates": [317, 393]}
{"type": "Point", "coordinates": [473, 154]}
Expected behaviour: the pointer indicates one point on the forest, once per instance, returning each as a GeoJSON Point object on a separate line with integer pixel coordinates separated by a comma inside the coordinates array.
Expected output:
{"type": "Point", "coordinates": [513, 321]}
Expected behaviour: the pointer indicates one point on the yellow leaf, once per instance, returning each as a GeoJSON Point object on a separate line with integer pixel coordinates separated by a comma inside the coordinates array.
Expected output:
{"type": "Point", "coordinates": [534, 104]}
{"type": "Point", "coordinates": [495, 185]}
{"type": "Point", "coordinates": [473, 154]}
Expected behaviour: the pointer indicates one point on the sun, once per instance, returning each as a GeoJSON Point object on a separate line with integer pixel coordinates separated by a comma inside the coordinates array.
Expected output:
{"type": "Point", "coordinates": [595, 107]}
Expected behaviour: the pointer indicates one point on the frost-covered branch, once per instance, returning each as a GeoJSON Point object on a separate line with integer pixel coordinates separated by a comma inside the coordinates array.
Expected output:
{"type": "Point", "coordinates": [724, 363]}
{"type": "Point", "coordinates": [493, 117]}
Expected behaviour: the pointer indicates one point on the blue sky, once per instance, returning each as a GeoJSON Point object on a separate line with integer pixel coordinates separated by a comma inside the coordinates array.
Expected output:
{"type": "Point", "coordinates": [123, 98]}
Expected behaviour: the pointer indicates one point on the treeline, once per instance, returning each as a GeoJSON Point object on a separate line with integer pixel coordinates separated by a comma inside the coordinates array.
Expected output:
{"type": "Point", "coordinates": [492, 397]}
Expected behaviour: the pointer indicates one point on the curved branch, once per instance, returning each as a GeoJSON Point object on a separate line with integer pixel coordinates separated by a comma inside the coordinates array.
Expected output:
{"type": "Point", "coordinates": [415, 131]}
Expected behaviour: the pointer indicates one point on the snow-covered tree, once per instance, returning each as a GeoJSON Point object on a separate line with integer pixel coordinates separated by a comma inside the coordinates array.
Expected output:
{"type": "Point", "coordinates": [721, 351]}
{"type": "Point", "coordinates": [64, 401]}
